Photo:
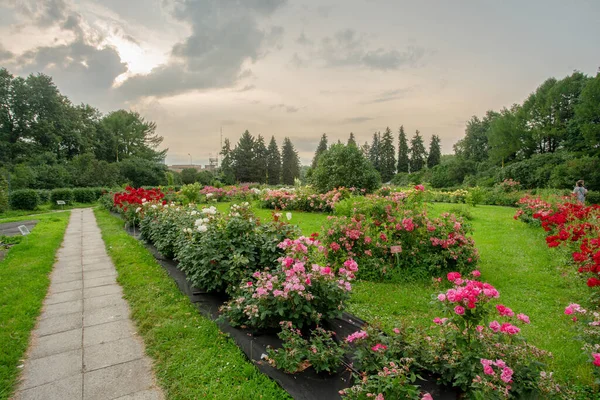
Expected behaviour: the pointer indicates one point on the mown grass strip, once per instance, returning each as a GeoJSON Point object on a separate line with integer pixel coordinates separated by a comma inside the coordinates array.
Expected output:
{"type": "Point", "coordinates": [24, 280]}
{"type": "Point", "coordinates": [193, 359]}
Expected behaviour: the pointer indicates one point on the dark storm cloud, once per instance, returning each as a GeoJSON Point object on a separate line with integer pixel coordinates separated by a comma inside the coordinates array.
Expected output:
{"type": "Point", "coordinates": [225, 34]}
{"type": "Point", "coordinates": [348, 48]}
{"type": "Point", "coordinates": [79, 69]}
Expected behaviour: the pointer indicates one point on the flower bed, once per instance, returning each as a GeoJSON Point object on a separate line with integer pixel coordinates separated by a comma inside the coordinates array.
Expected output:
{"type": "Point", "coordinates": [304, 199]}
{"type": "Point", "coordinates": [229, 193]}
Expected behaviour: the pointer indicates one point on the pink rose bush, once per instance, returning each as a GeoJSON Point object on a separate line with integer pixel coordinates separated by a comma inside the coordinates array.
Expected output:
{"type": "Point", "coordinates": [304, 199]}
{"type": "Point", "coordinates": [299, 290]}
{"type": "Point", "coordinates": [507, 365]}
{"type": "Point", "coordinates": [588, 324]}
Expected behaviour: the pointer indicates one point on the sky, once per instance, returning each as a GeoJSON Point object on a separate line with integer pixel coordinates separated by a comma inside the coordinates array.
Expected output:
{"type": "Point", "coordinates": [299, 68]}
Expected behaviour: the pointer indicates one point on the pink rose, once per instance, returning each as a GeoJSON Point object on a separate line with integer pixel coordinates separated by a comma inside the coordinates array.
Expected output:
{"type": "Point", "coordinates": [495, 326]}
{"type": "Point", "coordinates": [596, 357]}
{"type": "Point", "coordinates": [441, 297]}
{"type": "Point", "coordinates": [476, 274]}
{"type": "Point", "coordinates": [523, 318]}
{"type": "Point", "coordinates": [452, 276]}
{"type": "Point", "coordinates": [459, 310]}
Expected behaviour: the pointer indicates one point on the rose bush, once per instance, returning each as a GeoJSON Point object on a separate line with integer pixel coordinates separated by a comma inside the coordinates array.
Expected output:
{"type": "Point", "coordinates": [301, 289]}
{"type": "Point", "coordinates": [304, 199]}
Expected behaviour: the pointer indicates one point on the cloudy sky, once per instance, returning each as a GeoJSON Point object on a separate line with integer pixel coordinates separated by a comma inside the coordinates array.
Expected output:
{"type": "Point", "coordinates": [299, 68]}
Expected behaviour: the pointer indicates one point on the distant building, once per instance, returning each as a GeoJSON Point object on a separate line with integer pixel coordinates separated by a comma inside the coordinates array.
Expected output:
{"type": "Point", "coordinates": [179, 168]}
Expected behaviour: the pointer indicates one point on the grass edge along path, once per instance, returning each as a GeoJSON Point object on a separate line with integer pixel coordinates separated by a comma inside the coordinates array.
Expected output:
{"type": "Point", "coordinates": [24, 281]}
{"type": "Point", "coordinates": [192, 358]}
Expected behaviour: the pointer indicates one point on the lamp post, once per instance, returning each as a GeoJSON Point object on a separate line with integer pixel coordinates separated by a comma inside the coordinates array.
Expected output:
{"type": "Point", "coordinates": [191, 165]}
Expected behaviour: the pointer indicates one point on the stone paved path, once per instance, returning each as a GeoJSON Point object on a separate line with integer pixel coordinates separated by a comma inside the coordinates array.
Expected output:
{"type": "Point", "coordinates": [85, 346]}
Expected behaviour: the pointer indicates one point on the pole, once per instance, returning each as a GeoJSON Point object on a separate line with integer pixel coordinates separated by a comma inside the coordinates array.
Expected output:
{"type": "Point", "coordinates": [191, 165]}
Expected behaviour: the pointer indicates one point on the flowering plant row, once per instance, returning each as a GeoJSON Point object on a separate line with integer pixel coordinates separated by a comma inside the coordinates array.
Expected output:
{"type": "Point", "coordinates": [395, 239]}
{"type": "Point", "coordinates": [304, 199]}
{"type": "Point", "coordinates": [128, 201]}
{"type": "Point", "coordinates": [229, 193]}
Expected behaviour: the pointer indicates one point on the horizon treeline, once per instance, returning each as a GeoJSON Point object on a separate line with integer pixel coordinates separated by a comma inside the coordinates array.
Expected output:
{"type": "Point", "coordinates": [48, 142]}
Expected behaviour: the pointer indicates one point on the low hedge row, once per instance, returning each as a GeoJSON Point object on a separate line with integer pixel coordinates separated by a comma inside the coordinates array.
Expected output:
{"type": "Point", "coordinates": [30, 199]}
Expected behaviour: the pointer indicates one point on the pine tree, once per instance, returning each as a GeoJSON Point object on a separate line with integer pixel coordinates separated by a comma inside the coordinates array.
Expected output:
{"type": "Point", "coordinates": [290, 163]}
{"type": "Point", "coordinates": [403, 161]}
{"type": "Point", "coordinates": [260, 160]}
{"type": "Point", "coordinates": [273, 163]}
{"type": "Point", "coordinates": [227, 173]}
{"type": "Point", "coordinates": [374, 151]}
{"type": "Point", "coordinates": [387, 156]}
{"type": "Point", "coordinates": [351, 140]}
{"type": "Point", "coordinates": [366, 150]}
{"type": "Point", "coordinates": [243, 158]}
{"type": "Point", "coordinates": [418, 156]}
{"type": "Point", "coordinates": [321, 148]}
{"type": "Point", "coordinates": [435, 152]}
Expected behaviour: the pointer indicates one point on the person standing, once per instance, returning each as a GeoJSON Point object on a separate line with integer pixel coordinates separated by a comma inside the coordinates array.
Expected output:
{"type": "Point", "coordinates": [580, 191]}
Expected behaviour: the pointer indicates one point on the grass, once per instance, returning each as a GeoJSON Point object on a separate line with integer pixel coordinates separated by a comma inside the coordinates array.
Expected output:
{"type": "Point", "coordinates": [24, 280]}
{"type": "Point", "coordinates": [530, 277]}
{"type": "Point", "coordinates": [193, 359]}
{"type": "Point", "coordinates": [15, 215]}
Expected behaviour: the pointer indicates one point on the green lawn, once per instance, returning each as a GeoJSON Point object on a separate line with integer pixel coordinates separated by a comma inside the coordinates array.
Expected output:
{"type": "Point", "coordinates": [193, 359]}
{"type": "Point", "coordinates": [24, 280]}
{"type": "Point", "coordinates": [15, 215]}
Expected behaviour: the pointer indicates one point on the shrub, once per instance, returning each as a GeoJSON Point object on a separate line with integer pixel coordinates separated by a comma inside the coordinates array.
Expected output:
{"type": "Point", "coordinates": [61, 194]}
{"type": "Point", "coordinates": [299, 290]}
{"type": "Point", "coordinates": [131, 199]}
{"type": "Point", "coordinates": [3, 193]}
{"type": "Point", "coordinates": [44, 196]}
{"type": "Point", "coordinates": [191, 192]}
{"type": "Point", "coordinates": [344, 166]}
{"type": "Point", "coordinates": [304, 199]}
{"type": "Point", "coordinates": [85, 195]}
{"type": "Point", "coordinates": [25, 199]}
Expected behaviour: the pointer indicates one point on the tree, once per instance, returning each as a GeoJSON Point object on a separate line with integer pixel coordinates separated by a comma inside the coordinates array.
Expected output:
{"type": "Point", "coordinates": [189, 175]}
{"type": "Point", "coordinates": [290, 163]}
{"type": "Point", "coordinates": [321, 148]}
{"type": "Point", "coordinates": [125, 134]}
{"type": "Point", "coordinates": [418, 156]}
{"type": "Point", "coordinates": [227, 172]}
{"type": "Point", "coordinates": [260, 160]}
{"type": "Point", "coordinates": [374, 156]}
{"type": "Point", "coordinates": [344, 166]}
{"type": "Point", "coordinates": [508, 136]}
{"type": "Point", "coordinates": [351, 140]}
{"type": "Point", "coordinates": [403, 161]}
{"type": "Point", "coordinates": [141, 172]}
{"type": "Point", "coordinates": [435, 152]}
{"type": "Point", "coordinates": [365, 149]}
{"type": "Point", "coordinates": [273, 163]}
{"type": "Point", "coordinates": [387, 156]}
{"type": "Point", "coordinates": [588, 115]}
{"type": "Point", "coordinates": [243, 158]}
{"type": "Point", "coordinates": [474, 146]}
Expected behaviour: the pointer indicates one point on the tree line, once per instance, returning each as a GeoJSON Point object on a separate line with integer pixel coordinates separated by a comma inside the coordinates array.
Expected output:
{"type": "Point", "coordinates": [552, 139]}
{"type": "Point", "coordinates": [46, 141]}
{"type": "Point", "coordinates": [383, 156]}
{"type": "Point", "coordinates": [251, 160]}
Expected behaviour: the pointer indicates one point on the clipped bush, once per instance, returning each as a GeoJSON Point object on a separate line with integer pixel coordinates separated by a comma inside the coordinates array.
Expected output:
{"type": "Point", "coordinates": [44, 196]}
{"type": "Point", "coordinates": [25, 199]}
{"type": "Point", "coordinates": [3, 193]}
{"type": "Point", "coordinates": [65, 195]}
{"type": "Point", "coordinates": [85, 195]}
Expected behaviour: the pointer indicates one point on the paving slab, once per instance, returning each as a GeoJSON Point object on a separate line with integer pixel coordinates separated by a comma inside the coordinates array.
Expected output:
{"type": "Point", "coordinates": [84, 345]}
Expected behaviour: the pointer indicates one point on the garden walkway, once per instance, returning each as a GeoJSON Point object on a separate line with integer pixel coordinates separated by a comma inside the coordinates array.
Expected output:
{"type": "Point", "coordinates": [85, 346]}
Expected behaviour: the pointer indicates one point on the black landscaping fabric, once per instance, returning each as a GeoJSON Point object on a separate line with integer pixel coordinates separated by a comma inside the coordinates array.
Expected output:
{"type": "Point", "coordinates": [305, 385]}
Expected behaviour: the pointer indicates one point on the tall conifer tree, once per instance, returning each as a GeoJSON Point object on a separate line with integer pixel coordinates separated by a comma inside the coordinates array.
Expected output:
{"type": "Point", "coordinates": [260, 160]}
{"type": "Point", "coordinates": [403, 161]}
{"type": "Point", "coordinates": [418, 155]}
{"type": "Point", "coordinates": [290, 163]}
{"type": "Point", "coordinates": [351, 140]}
{"type": "Point", "coordinates": [243, 158]}
{"type": "Point", "coordinates": [435, 152]}
{"type": "Point", "coordinates": [387, 156]}
{"type": "Point", "coordinates": [227, 171]}
{"type": "Point", "coordinates": [321, 148]}
{"type": "Point", "coordinates": [273, 163]}
{"type": "Point", "coordinates": [374, 155]}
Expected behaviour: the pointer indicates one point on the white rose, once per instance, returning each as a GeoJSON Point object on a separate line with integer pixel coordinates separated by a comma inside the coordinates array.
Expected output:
{"type": "Point", "coordinates": [288, 215]}
{"type": "Point", "coordinates": [202, 228]}
{"type": "Point", "coordinates": [137, 210]}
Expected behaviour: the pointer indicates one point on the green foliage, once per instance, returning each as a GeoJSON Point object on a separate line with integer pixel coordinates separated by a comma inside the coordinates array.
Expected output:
{"type": "Point", "coordinates": [418, 155]}
{"type": "Point", "coordinates": [3, 192]}
{"type": "Point", "coordinates": [344, 166]}
{"type": "Point", "coordinates": [244, 159]}
{"type": "Point", "coordinates": [65, 195]}
{"type": "Point", "coordinates": [321, 148]}
{"type": "Point", "coordinates": [85, 195]}
{"type": "Point", "coordinates": [435, 152]}
{"type": "Point", "coordinates": [24, 199]}
{"type": "Point", "coordinates": [320, 350]}
{"type": "Point", "coordinates": [290, 163]}
{"type": "Point", "coordinates": [375, 151]}
{"type": "Point", "coordinates": [188, 175]}
{"type": "Point", "coordinates": [227, 171]}
{"type": "Point", "coordinates": [387, 156]}
{"type": "Point", "coordinates": [261, 157]}
{"type": "Point", "coordinates": [191, 192]}
{"type": "Point", "coordinates": [140, 172]}
{"type": "Point", "coordinates": [44, 196]}
{"type": "Point", "coordinates": [403, 160]}
{"type": "Point", "coordinates": [588, 114]}
{"type": "Point", "coordinates": [273, 163]}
